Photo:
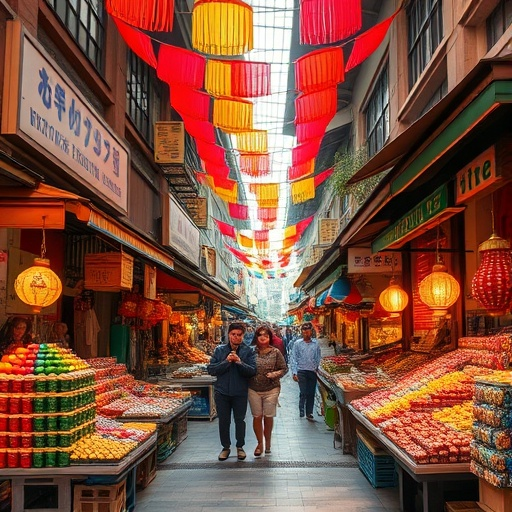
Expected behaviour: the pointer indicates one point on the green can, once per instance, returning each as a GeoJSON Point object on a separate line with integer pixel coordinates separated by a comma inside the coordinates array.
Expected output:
{"type": "Point", "coordinates": [51, 440]}
{"type": "Point", "coordinates": [40, 386]}
{"type": "Point", "coordinates": [39, 404]}
{"type": "Point", "coordinates": [51, 423]}
{"type": "Point", "coordinates": [65, 440]}
{"type": "Point", "coordinates": [62, 459]}
{"type": "Point", "coordinates": [50, 459]}
{"type": "Point", "coordinates": [38, 459]}
{"type": "Point", "coordinates": [53, 385]}
{"type": "Point", "coordinates": [64, 423]}
{"type": "Point", "coordinates": [52, 404]}
{"type": "Point", "coordinates": [39, 424]}
{"type": "Point", "coordinates": [66, 404]}
{"type": "Point", "coordinates": [65, 385]}
{"type": "Point", "coordinates": [40, 440]}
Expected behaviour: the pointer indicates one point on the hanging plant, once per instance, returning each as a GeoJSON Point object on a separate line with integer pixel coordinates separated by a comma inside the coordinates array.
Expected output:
{"type": "Point", "coordinates": [345, 166]}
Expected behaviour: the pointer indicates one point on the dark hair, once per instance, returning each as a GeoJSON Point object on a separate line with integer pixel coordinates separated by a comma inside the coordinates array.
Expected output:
{"type": "Point", "coordinates": [263, 328]}
{"type": "Point", "coordinates": [236, 326]}
{"type": "Point", "coordinates": [7, 331]}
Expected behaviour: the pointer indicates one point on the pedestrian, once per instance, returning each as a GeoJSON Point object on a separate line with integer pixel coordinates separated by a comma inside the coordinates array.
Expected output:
{"type": "Point", "coordinates": [265, 386]}
{"type": "Point", "coordinates": [304, 363]}
{"type": "Point", "coordinates": [233, 363]}
{"type": "Point", "coordinates": [16, 332]}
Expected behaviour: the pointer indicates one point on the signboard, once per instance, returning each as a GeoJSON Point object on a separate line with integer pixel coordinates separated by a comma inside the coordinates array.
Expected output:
{"type": "Point", "coordinates": [169, 142]}
{"type": "Point", "coordinates": [429, 208]}
{"type": "Point", "coordinates": [210, 256]}
{"type": "Point", "coordinates": [198, 210]}
{"type": "Point", "coordinates": [479, 174]}
{"type": "Point", "coordinates": [183, 234]}
{"type": "Point", "coordinates": [45, 107]}
{"type": "Point", "coordinates": [328, 230]}
{"type": "Point", "coordinates": [149, 282]}
{"type": "Point", "coordinates": [108, 272]}
{"type": "Point", "coordinates": [362, 261]}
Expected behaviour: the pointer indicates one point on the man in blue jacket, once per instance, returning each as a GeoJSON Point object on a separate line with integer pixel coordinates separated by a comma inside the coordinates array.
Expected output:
{"type": "Point", "coordinates": [232, 363]}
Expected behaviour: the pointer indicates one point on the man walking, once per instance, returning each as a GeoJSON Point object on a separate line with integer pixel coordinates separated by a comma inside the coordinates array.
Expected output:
{"type": "Point", "coordinates": [304, 363]}
{"type": "Point", "coordinates": [233, 364]}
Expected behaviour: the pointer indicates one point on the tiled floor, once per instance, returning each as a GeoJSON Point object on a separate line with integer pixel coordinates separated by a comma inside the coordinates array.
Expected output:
{"type": "Point", "coordinates": [305, 471]}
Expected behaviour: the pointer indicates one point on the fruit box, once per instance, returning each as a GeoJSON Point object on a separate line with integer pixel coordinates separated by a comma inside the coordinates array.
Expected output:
{"type": "Point", "coordinates": [100, 498]}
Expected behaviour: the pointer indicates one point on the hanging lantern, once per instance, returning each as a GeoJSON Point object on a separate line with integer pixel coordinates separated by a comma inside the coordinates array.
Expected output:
{"type": "Point", "coordinates": [439, 290]}
{"type": "Point", "coordinates": [492, 284]}
{"type": "Point", "coordinates": [38, 286]}
{"type": "Point", "coordinates": [394, 298]}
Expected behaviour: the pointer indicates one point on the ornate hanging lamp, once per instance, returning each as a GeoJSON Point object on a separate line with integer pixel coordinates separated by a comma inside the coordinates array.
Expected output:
{"type": "Point", "coordinates": [394, 298]}
{"type": "Point", "coordinates": [492, 283]}
{"type": "Point", "coordinates": [439, 290]}
{"type": "Point", "coordinates": [38, 286]}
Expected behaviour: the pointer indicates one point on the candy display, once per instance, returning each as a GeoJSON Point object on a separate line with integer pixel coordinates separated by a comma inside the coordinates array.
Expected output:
{"type": "Point", "coordinates": [491, 451]}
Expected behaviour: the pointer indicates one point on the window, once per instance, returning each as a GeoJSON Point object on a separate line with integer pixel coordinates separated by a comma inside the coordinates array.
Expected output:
{"type": "Point", "coordinates": [84, 20]}
{"type": "Point", "coordinates": [499, 20]}
{"type": "Point", "coordinates": [377, 114]}
{"type": "Point", "coordinates": [425, 33]}
{"type": "Point", "coordinates": [436, 97]}
{"type": "Point", "coordinates": [142, 97]}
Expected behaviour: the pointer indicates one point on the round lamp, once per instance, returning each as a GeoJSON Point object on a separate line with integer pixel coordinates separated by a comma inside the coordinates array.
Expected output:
{"type": "Point", "coordinates": [439, 290]}
{"type": "Point", "coordinates": [492, 283]}
{"type": "Point", "coordinates": [38, 286]}
{"type": "Point", "coordinates": [394, 298]}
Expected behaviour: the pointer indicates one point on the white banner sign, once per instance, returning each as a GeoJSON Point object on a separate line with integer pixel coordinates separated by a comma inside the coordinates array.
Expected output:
{"type": "Point", "coordinates": [362, 261]}
{"type": "Point", "coordinates": [53, 113]}
{"type": "Point", "coordinates": [183, 233]}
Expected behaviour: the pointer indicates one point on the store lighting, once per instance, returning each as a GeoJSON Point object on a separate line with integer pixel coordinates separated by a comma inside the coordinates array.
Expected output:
{"type": "Point", "coordinates": [394, 298]}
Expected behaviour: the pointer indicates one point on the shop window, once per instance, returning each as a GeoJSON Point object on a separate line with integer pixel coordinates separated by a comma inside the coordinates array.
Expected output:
{"type": "Point", "coordinates": [438, 95]}
{"type": "Point", "coordinates": [377, 114]}
{"type": "Point", "coordinates": [425, 22]}
{"type": "Point", "coordinates": [84, 20]}
{"type": "Point", "coordinates": [499, 20]}
{"type": "Point", "coordinates": [143, 99]}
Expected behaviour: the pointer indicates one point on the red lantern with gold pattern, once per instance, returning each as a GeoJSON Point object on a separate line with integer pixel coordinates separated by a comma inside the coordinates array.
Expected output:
{"type": "Point", "coordinates": [492, 284]}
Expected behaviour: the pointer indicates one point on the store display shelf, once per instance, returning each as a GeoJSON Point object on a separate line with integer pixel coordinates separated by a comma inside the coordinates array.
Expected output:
{"type": "Point", "coordinates": [161, 419]}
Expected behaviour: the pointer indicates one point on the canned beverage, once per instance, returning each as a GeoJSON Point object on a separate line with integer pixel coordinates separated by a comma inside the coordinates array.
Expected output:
{"type": "Point", "coordinates": [27, 424]}
{"type": "Point", "coordinates": [40, 440]}
{"type": "Point", "coordinates": [51, 423]}
{"type": "Point", "coordinates": [3, 441]}
{"type": "Point", "coordinates": [26, 458]}
{"type": "Point", "coordinates": [38, 459]}
{"type": "Point", "coordinates": [65, 440]}
{"type": "Point", "coordinates": [50, 459]}
{"type": "Point", "coordinates": [66, 404]}
{"type": "Point", "coordinates": [14, 440]}
{"type": "Point", "coordinates": [39, 424]}
{"type": "Point", "coordinates": [4, 404]}
{"type": "Point", "coordinates": [64, 423]}
{"type": "Point", "coordinates": [26, 405]}
{"type": "Point", "coordinates": [14, 424]}
{"type": "Point", "coordinates": [4, 386]}
{"type": "Point", "coordinates": [39, 404]}
{"type": "Point", "coordinates": [53, 386]}
{"type": "Point", "coordinates": [65, 385]}
{"type": "Point", "coordinates": [26, 441]}
{"type": "Point", "coordinates": [3, 458]}
{"type": "Point", "coordinates": [51, 440]}
{"type": "Point", "coordinates": [52, 404]}
{"type": "Point", "coordinates": [14, 405]}
{"type": "Point", "coordinates": [40, 385]}
{"type": "Point", "coordinates": [29, 384]}
{"type": "Point", "coordinates": [17, 386]}
{"type": "Point", "coordinates": [3, 423]}
{"type": "Point", "coordinates": [62, 459]}
{"type": "Point", "coordinates": [13, 459]}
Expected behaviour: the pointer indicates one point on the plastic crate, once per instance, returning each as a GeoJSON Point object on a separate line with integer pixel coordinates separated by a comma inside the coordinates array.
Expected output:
{"type": "Point", "coordinates": [376, 465]}
{"type": "Point", "coordinates": [100, 498]}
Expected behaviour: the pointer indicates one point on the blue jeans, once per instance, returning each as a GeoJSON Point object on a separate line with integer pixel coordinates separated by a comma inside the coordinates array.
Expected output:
{"type": "Point", "coordinates": [225, 404]}
{"type": "Point", "coordinates": [307, 388]}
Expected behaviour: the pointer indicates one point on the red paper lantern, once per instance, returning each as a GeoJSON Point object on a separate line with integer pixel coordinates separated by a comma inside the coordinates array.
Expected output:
{"type": "Point", "coordinates": [492, 284]}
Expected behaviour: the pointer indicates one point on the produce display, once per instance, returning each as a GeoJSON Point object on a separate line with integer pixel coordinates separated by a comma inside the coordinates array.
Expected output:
{"type": "Point", "coordinates": [428, 413]}
{"type": "Point", "coordinates": [357, 380]}
{"type": "Point", "coordinates": [188, 372]}
{"type": "Point", "coordinates": [181, 351]}
{"type": "Point", "coordinates": [336, 364]}
{"type": "Point", "coordinates": [491, 450]}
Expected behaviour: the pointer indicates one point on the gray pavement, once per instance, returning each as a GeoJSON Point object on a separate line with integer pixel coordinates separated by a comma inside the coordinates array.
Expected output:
{"type": "Point", "coordinates": [305, 472]}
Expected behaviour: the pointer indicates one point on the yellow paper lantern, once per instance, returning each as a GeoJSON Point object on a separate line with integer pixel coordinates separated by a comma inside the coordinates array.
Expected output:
{"type": "Point", "coordinates": [38, 286]}
{"type": "Point", "coordinates": [439, 290]}
{"type": "Point", "coordinates": [394, 298]}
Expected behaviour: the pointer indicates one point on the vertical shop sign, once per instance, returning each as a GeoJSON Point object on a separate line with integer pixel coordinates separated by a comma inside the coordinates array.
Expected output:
{"type": "Point", "coordinates": [42, 106]}
{"type": "Point", "coordinates": [149, 282]}
{"type": "Point", "coordinates": [183, 234]}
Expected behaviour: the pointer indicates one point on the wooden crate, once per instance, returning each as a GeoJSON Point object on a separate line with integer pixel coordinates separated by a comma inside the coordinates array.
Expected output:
{"type": "Point", "coordinates": [462, 506]}
{"type": "Point", "coordinates": [494, 499]}
{"type": "Point", "coordinates": [100, 498]}
{"type": "Point", "coordinates": [146, 471]}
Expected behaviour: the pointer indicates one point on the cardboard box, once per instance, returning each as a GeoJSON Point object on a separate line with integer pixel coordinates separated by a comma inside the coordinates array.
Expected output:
{"type": "Point", "coordinates": [494, 499]}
